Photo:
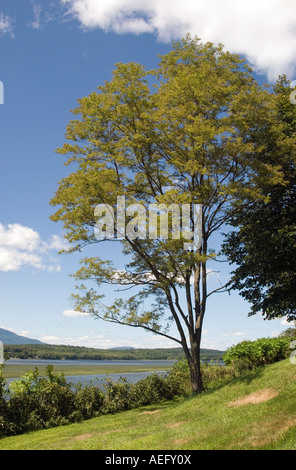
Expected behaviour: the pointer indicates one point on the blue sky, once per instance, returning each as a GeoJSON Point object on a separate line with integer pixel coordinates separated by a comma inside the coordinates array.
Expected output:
{"type": "Point", "coordinates": [51, 54]}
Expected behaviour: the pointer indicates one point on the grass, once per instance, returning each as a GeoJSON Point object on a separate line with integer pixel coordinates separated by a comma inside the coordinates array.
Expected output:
{"type": "Point", "coordinates": [214, 420]}
{"type": "Point", "coordinates": [17, 370]}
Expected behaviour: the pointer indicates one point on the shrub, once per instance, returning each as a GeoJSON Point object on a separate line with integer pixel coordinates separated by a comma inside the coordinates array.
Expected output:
{"type": "Point", "coordinates": [251, 354]}
{"type": "Point", "coordinates": [117, 396]}
{"type": "Point", "coordinates": [38, 403]}
{"type": "Point", "coordinates": [41, 402]}
{"type": "Point", "coordinates": [121, 396]}
{"type": "Point", "coordinates": [214, 375]}
{"type": "Point", "coordinates": [179, 378]}
{"type": "Point", "coordinates": [88, 401]}
{"type": "Point", "coordinates": [152, 389]}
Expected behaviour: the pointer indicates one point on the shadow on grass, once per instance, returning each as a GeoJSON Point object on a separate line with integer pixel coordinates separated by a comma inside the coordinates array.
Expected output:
{"type": "Point", "coordinates": [245, 378]}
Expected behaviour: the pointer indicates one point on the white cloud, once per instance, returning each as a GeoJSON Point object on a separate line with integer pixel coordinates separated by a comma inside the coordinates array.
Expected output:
{"type": "Point", "coordinates": [24, 333]}
{"type": "Point", "coordinates": [74, 313]}
{"type": "Point", "coordinates": [44, 13]}
{"type": "Point", "coordinates": [22, 246]}
{"type": "Point", "coordinates": [50, 339]}
{"type": "Point", "coordinates": [107, 342]}
{"type": "Point", "coordinates": [5, 24]}
{"type": "Point", "coordinates": [237, 333]}
{"type": "Point", "coordinates": [56, 243]}
{"type": "Point", "coordinates": [263, 30]}
{"type": "Point", "coordinates": [36, 23]}
{"type": "Point", "coordinates": [20, 237]}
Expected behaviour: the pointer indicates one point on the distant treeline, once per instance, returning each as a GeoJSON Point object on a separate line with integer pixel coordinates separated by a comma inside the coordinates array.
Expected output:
{"type": "Point", "coordinates": [47, 351]}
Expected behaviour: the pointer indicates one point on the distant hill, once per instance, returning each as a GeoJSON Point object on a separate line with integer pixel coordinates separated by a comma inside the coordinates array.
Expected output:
{"type": "Point", "coordinates": [7, 337]}
{"type": "Point", "coordinates": [51, 351]}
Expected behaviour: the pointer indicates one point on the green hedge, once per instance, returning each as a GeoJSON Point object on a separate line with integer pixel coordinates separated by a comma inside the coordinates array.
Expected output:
{"type": "Point", "coordinates": [42, 402]}
{"type": "Point", "coordinates": [251, 354]}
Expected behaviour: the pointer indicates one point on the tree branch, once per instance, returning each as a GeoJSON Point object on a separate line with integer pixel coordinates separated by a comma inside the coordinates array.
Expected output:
{"type": "Point", "coordinates": [110, 320]}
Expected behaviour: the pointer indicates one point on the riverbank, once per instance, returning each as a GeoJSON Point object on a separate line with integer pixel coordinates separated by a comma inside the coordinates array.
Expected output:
{"type": "Point", "coordinates": [17, 368]}
{"type": "Point", "coordinates": [254, 411]}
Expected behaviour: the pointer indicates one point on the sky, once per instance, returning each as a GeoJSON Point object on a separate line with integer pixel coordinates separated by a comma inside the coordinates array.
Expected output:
{"type": "Point", "coordinates": [51, 54]}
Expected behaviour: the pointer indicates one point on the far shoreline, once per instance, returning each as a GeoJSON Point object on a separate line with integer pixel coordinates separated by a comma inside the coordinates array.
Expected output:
{"type": "Point", "coordinates": [17, 368]}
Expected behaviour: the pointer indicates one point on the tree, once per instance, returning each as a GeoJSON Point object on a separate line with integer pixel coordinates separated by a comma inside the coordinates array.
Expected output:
{"type": "Point", "coordinates": [180, 134]}
{"type": "Point", "coordinates": [263, 246]}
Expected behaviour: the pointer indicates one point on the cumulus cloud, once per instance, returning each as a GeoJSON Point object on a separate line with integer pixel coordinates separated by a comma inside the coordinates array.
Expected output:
{"type": "Point", "coordinates": [55, 243]}
{"type": "Point", "coordinates": [22, 246]}
{"type": "Point", "coordinates": [75, 313]}
{"type": "Point", "coordinates": [262, 30]}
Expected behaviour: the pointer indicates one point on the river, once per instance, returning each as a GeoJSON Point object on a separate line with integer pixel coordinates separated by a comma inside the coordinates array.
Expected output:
{"type": "Point", "coordinates": [80, 362]}
{"type": "Point", "coordinates": [97, 379]}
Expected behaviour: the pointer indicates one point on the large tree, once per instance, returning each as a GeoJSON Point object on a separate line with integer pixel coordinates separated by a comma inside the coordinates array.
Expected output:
{"type": "Point", "coordinates": [180, 134]}
{"type": "Point", "coordinates": [263, 245]}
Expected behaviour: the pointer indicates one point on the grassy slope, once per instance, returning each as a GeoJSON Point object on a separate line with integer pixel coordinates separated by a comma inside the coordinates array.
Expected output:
{"type": "Point", "coordinates": [203, 422]}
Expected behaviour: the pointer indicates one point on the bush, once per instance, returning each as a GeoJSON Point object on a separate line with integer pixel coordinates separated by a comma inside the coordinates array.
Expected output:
{"type": "Point", "coordinates": [121, 396]}
{"type": "Point", "coordinates": [152, 389]}
{"type": "Point", "coordinates": [179, 378]}
{"type": "Point", "coordinates": [38, 403]}
{"type": "Point", "coordinates": [214, 375]}
{"type": "Point", "coordinates": [88, 401]}
{"type": "Point", "coordinates": [117, 396]}
{"type": "Point", "coordinates": [248, 355]}
{"type": "Point", "coordinates": [42, 402]}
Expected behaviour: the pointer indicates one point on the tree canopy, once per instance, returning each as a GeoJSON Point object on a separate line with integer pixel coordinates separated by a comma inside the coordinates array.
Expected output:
{"type": "Point", "coordinates": [187, 132]}
{"type": "Point", "coordinates": [263, 245]}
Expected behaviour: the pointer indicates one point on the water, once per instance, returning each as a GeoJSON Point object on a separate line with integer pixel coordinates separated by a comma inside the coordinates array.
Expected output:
{"type": "Point", "coordinates": [79, 362]}
{"type": "Point", "coordinates": [96, 379]}
{"type": "Point", "coordinates": [100, 380]}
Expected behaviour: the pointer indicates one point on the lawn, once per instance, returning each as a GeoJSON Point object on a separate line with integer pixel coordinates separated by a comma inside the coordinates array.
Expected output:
{"type": "Point", "coordinates": [254, 411]}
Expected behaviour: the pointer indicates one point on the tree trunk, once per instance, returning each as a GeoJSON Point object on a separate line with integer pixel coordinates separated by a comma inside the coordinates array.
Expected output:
{"type": "Point", "coordinates": [196, 377]}
{"type": "Point", "coordinates": [193, 359]}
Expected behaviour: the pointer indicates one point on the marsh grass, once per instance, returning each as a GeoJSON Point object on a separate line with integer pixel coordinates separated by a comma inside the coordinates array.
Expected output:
{"type": "Point", "coordinates": [17, 370]}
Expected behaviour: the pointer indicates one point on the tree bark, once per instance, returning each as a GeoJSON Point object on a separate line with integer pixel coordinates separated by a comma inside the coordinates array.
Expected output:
{"type": "Point", "coordinates": [195, 364]}
{"type": "Point", "coordinates": [196, 377]}
{"type": "Point", "coordinates": [193, 360]}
